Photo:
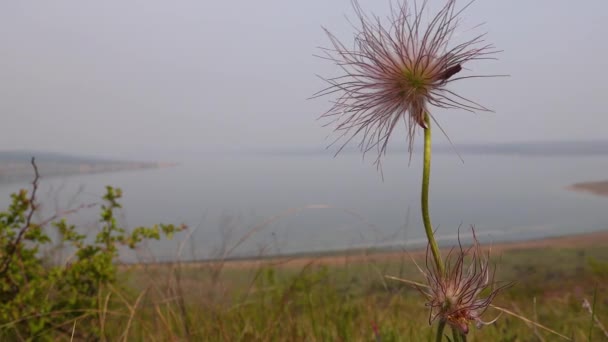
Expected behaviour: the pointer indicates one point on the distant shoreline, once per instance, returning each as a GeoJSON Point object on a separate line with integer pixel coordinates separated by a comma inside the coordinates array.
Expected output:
{"type": "Point", "coordinates": [599, 188]}
{"type": "Point", "coordinates": [16, 172]}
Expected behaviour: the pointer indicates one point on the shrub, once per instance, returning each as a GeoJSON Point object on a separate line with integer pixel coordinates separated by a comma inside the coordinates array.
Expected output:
{"type": "Point", "coordinates": [41, 301]}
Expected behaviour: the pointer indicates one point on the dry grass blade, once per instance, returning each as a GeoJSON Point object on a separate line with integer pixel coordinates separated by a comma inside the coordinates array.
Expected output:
{"type": "Point", "coordinates": [508, 312]}
{"type": "Point", "coordinates": [587, 305]}
{"type": "Point", "coordinates": [533, 327]}
{"type": "Point", "coordinates": [164, 320]}
{"type": "Point", "coordinates": [83, 311]}
{"type": "Point", "coordinates": [73, 331]}
{"type": "Point", "coordinates": [103, 315]}
{"type": "Point", "coordinates": [132, 308]}
{"type": "Point", "coordinates": [414, 283]}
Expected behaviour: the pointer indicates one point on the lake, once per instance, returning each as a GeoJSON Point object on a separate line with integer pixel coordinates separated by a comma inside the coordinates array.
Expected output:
{"type": "Point", "coordinates": [288, 204]}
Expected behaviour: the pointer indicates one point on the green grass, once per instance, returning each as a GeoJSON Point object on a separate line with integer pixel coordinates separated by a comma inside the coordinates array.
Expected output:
{"type": "Point", "coordinates": [350, 301]}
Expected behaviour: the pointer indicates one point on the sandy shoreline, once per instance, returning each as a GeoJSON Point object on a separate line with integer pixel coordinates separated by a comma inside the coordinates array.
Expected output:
{"type": "Point", "coordinates": [346, 257]}
{"type": "Point", "coordinates": [597, 188]}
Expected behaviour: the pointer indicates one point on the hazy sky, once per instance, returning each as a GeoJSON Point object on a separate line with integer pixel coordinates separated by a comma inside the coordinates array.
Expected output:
{"type": "Point", "coordinates": [125, 77]}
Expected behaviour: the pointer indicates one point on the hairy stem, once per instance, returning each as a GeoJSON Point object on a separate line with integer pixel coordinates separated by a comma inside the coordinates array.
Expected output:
{"type": "Point", "coordinates": [440, 328]}
{"type": "Point", "coordinates": [458, 336]}
{"type": "Point", "coordinates": [426, 178]}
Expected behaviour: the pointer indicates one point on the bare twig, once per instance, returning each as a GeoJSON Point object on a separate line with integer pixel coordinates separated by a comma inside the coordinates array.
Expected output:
{"type": "Point", "coordinates": [63, 213]}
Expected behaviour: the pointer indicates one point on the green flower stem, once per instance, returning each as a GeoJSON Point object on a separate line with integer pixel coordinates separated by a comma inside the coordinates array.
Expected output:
{"type": "Point", "coordinates": [426, 178]}
{"type": "Point", "coordinates": [440, 328]}
{"type": "Point", "coordinates": [458, 336]}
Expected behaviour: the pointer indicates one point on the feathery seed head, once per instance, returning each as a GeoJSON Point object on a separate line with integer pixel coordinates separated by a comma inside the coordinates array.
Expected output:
{"type": "Point", "coordinates": [396, 71]}
{"type": "Point", "coordinates": [456, 295]}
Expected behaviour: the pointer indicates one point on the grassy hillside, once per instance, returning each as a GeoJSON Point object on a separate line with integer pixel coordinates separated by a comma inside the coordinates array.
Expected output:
{"type": "Point", "coordinates": [348, 298]}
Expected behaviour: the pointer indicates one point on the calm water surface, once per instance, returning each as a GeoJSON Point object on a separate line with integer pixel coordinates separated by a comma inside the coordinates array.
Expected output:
{"type": "Point", "coordinates": [321, 203]}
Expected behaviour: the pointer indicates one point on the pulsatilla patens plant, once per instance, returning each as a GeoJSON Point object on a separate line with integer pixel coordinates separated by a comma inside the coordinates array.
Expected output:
{"type": "Point", "coordinates": [397, 71]}
{"type": "Point", "coordinates": [40, 301]}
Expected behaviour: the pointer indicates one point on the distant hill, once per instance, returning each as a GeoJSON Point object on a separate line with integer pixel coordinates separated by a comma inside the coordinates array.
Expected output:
{"type": "Point", "coordinates": [15, 166]}
{"type": "Point", "coordinates": [545, 148]}
{"type": "Point", "coordinates": [41, 156]}
{"type": "Point", "coordinates": [598, 188]}
{"type": "Point", "coordinates": [540, 149]}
